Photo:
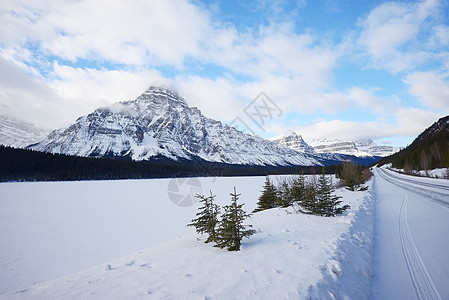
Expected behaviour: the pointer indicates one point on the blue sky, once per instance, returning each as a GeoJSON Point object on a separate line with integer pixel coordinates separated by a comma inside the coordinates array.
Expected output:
{"type": "Point", "coordinates": [334, 69]}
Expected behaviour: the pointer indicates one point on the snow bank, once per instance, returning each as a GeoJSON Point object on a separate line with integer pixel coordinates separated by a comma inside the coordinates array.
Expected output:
{"type": "Point", "coordinates": [292, 256]}
{"type": "Point", "coordinates": [347, 273]}
{"type": "Point", "coordinates": [434, 173]}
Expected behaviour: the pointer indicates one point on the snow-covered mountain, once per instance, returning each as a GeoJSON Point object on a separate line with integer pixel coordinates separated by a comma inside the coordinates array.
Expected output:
{"type": "Point", "coordinates": [19, 134]}
{"type": "Point", "coordinates": [160, 123]}
{"type": "Point", "coordinates": [371, 147]}
{"type": "Point", "coordinates": [360, 148]}
{"type": "Point", "coordinates": [295, 142]}
{"type": "Point", "coordinates": [338, 147]}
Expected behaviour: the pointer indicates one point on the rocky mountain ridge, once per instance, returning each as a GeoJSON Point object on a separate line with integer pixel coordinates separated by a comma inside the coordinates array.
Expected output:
{"type": "Point", "coordinates": [160, 123]}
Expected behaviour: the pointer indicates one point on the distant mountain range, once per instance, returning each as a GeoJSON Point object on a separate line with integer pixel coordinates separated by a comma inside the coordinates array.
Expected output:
{"type": "Point", "coordinates": [19, 134]}
{"type": "Point", "coordinates": [362, 148]}
{"type": "Point", "coordinates": [159, 124]}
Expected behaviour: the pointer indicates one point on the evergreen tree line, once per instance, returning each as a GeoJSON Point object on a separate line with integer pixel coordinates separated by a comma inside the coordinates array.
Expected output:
{"type": "Point", "coordinates": [28, 165]}
{"type": "Point", "coordinates": [225, 230]}
{"type": "Point", "coordinates": [314, 196]}
{"type": "Point", "coordinates": [428, 151]}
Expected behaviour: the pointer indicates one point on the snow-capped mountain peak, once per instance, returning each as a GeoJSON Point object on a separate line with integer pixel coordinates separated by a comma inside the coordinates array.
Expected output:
{"type": "Point", "coordinates": [160, 123]}
{"type": "Point", "coordinates": [295, 142]}
{"type": "Point", "coordinates": [368, 145]}
{"type": "Point", "coordinates": [161, 95]}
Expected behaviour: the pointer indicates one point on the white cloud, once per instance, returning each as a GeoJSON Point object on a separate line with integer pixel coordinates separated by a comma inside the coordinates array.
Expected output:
{"type": "Point", "coordinates": [274, 50]}
{"type": "Point", "coordinates": [413, 121]}
{"type": "Point", "coordinates": [27, 98]}
{"type": "Point", "coordinates": [345, 130]}
{"type": "Point", "coordinates": [407, 122]}
{"type": "Point", "coordinates": [219, 99]}
{"type": "Point", "coordinates": [403, 123]}
{"type": "Point", "coordinates": [440, 37]}
{"type": "Point", "coordinates": [131, 32]}
{"type": "Point", "coordinates": [365, 100]}
{"type": "Point", "coordinates": [76, 92]}
{"type": "Point", "coordinates": [395, 35]}
{"type": "Point", "coordinates": [431, 88]}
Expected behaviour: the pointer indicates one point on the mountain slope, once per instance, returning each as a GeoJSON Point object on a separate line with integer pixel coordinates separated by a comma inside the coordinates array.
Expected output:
{"type": "Point", "coordinates": [160, 123]}
{"type": "Point", "coordinates": [429, 150]}
{"type": "Point", "coordinates": [19, 134]}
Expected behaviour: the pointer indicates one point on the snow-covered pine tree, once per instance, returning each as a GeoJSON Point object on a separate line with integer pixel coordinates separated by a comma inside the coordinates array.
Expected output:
{"type": "Point", "coordinates": [327, 203]}
{"type": "Point", "coordinates": [231, 229]}
{"type": "Point", "coordinates": [269, 197]}
{"type": "Point", "coordinates": [207, 217]}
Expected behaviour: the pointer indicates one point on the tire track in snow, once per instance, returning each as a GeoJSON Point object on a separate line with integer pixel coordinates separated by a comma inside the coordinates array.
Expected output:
{"type": "Point", "coordinates": [421, 280]}
{"type": "Point", "coordinates": [434, 196]}
{"type": "Point", "coordinates": [420, 182]}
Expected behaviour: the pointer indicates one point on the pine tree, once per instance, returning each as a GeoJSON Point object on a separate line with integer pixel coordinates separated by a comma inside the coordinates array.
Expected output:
{"type": "Point", "coordinates": [309, 196]}
{"type": "Point", "coordinates": [269, 197]}
{"type": "Point", "coordinates": [207, 217]}
{"type": "Point", "coordinates": [284, 192]}
{"type": "Point", "coordinates": [298, 191]}
{"type": "Point", "coordinates": [231, 229]}
{"type": "Point", "coordinates": [326, 202]}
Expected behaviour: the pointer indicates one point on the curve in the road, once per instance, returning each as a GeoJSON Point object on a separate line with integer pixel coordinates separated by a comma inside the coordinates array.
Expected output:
{"type": "Point", "coordinates": [421, 280]}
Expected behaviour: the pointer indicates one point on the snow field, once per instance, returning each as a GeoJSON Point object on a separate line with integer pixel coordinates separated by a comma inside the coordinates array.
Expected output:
{"type": "Point", "coordinates": [291, 256]}
{"type": "Point", "coordinates": [52, 229]}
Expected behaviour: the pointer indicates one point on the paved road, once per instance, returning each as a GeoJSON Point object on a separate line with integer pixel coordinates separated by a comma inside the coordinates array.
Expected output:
{"type": "Point", "coordinates": [411, 249]}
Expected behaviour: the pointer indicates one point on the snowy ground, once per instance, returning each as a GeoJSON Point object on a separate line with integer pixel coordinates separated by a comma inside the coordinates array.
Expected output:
{"type": "Point", "coordinates": [128, 239]}
{"type": "Point", "coordinates": [411, 259]}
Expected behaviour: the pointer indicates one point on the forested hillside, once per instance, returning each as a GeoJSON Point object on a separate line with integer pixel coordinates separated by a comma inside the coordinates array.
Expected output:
{"type": "Point", "coordinates": [429, 150]}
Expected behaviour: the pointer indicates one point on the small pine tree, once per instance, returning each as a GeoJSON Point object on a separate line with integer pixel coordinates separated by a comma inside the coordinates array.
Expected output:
{"type": "Point", "coordinates": [308, 200]}
{"type": "Point", "coordinates": [326, 202]}
{"type": "Point", "coordinates": [298, 191]}
{"type": "Point", "coordinates": [269, 197]}
{"type": "Point", "coordinates": [231, 229]}
{"type": "Point", "coordinates": [207, 217]}
{"type": "Point", "coordinates": [284, 191]}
